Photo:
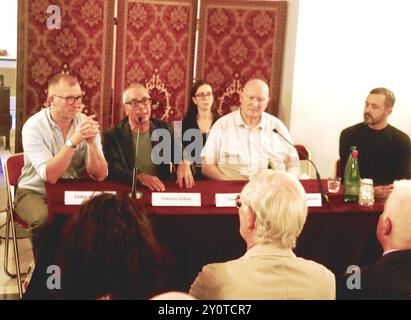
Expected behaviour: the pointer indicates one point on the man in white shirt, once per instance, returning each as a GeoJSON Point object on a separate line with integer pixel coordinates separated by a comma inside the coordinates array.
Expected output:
{"type": "Point", "coordinates": [243, 142]}
{"type": "Point", "coordinates": [58, 142]}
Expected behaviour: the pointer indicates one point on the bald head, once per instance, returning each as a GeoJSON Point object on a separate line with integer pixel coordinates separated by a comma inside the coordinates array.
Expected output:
{"type": "Point", "coordinates": [254, 100]}
{"type": "Point", "coordinates": [398, 210]}
{"type": "Point", "coordinates": [257, 84]}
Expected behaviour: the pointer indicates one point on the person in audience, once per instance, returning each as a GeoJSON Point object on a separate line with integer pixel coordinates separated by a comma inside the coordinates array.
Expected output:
{"type": "Point", "coordinates": [201, 115]}
{"type": "Point", "coordinates": [153, 163]}
{"type": "Point", "coordinates": [272, 212]}
{"type": "Point", "coordinates": [58, 142]}
{"type": "Point", "coordinates": [384, 151]}
{"type": "Point", "coordinates": [390, 276]}
{"type": "Point", "coordinates": [109, 251]}
{"type": "Point", "coordinates": [243, 142]}
{"type": "Point", "coordinates": [173, 295]}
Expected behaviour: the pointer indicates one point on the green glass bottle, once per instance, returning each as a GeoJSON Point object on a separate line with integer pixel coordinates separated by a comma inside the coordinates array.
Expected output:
{"type": "Point", "coordinates": [352, 178]}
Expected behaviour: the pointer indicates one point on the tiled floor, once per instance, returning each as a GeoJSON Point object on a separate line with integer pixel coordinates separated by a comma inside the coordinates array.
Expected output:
{"type": "Point", "coordinates": [8, 286]}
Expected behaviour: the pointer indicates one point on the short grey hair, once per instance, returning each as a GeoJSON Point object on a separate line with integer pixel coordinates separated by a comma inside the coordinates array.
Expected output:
{"type": "Point", "coordinates": [389, 96]}
{"type": "Point", "coordinates": [278, 201]}
{"type": "Point", "coordinates": [129, 87]}
{"type": "Point", "coordinates": [398, 209]}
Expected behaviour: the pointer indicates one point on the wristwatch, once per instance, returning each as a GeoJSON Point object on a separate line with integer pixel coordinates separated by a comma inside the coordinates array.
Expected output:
{"type": "Point", "coordinates": [70, 144]}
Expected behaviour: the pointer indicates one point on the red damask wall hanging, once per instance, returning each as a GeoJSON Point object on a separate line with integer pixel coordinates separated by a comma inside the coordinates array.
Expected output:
{"type": "Point", "coordinates": [155, 44]}
{"type": "Point", "coordinates": [238, 41]}
{"type": "Point", "coordinates": [155, 47]}
{"type": "Point", "coordinates": [82, 46]}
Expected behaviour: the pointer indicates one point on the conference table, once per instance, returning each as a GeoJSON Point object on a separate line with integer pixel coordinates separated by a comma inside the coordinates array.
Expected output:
{"type": "Point", "coordinates": [336, 234]}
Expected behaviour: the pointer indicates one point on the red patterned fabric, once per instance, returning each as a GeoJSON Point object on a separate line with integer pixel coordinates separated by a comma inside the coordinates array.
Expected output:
{"type": "Point", "coordinates": [155, 47]}
{"type": "Point", "coordinates": [238, 41]}
{"type": "Point", "coordinates": [83, 46]}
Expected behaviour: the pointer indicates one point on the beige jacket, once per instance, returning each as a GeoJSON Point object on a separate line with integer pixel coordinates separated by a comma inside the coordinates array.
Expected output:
{"type": "Point", "coordinates": [265, 272]}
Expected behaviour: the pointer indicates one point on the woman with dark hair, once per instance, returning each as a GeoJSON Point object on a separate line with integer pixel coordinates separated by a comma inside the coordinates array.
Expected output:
{"type": "Point", "coordinates": [109, 251]}
{"type": "Point", "coordinates": [201, 115]}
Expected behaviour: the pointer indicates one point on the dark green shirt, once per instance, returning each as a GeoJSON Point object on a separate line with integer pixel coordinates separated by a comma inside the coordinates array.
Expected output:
{"type": "Point", "coordinates": [144, 162]}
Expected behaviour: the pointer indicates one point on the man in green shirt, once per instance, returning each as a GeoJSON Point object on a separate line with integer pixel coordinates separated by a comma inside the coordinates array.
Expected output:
{"type": "Point", "coordinates": [153, 158]}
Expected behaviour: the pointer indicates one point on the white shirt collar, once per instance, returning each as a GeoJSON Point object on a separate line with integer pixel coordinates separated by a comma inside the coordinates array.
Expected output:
{"type": "Point", "coordinates": [240, 122]}
{"type": "Point", "coordinates": [389, 251]}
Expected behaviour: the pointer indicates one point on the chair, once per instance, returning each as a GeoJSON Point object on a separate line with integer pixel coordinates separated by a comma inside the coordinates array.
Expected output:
{"type": "Point", "coordinates": [12, 169]}
{"type": "Point", "coordinates": [304, 154]}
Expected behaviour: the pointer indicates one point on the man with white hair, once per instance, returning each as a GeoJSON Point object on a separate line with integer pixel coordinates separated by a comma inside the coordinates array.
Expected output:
{"type": "Point", "coordinates": [272, 213]}
{"type": "Point", "coordinates": [390, 276]}
{"type": "Point", "coordinates": [119, 145]}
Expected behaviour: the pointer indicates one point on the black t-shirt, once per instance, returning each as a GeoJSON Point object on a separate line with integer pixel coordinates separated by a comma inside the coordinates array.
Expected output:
{"type": "Point", "coordinates": [383, 155]}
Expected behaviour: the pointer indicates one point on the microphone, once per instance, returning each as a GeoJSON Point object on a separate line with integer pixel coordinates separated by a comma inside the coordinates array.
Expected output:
{"type": "Point", "coordinates": [324, 197]}
{"type": "Point", "coordinates": [134, 194]}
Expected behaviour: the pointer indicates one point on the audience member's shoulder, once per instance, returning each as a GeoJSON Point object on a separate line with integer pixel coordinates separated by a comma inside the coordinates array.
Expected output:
{"type": "Point", "coordinates": [214, 267]}
{"type": "Point", "coordinates": [317, 269]}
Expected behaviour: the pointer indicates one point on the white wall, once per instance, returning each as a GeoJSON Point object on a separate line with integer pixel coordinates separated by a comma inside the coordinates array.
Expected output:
{"type": "Point", "coordinates": [8, 27]}
{"type": "Point", "coordinates": [344, 49]}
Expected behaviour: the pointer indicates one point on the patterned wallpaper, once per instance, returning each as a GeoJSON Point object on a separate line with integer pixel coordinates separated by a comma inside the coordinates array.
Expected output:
{"type": "Point", "coordinates": [238, 41]}
{"type": "Point", "coordinates": [82, 46]}
{"type": "Point", "coordinates": [156, 48]}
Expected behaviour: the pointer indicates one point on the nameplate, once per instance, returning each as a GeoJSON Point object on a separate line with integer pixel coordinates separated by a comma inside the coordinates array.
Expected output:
{"type": "Point", "coordinates": [225, 199]}
{"type": "Point", "coordinates": [78, 197]}
{"type": "Point", "coordinates": [313, 199]}
{"type": "Point", "coordinates": [178, 199]}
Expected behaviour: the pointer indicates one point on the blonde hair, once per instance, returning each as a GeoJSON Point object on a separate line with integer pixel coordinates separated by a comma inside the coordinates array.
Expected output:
{"type": "Point", "coordinates": [398, 209]}
{"type": "Point", "coordinates": [278, 201]}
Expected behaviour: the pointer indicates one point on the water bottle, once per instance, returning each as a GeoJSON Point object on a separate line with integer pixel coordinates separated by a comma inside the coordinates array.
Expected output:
{"type": "Point", "coordinates": [352, 178]}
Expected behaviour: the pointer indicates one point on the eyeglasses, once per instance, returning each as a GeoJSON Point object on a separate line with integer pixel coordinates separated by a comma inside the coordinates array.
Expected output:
{"type": "Point", "coordinates": [71, 99]}
{"type": "Point", "coordinates": [134, 103]}
{"type": "Point", "coordinates": [203, 95]}
{"type": "Point", "coordinates": [238, 202]}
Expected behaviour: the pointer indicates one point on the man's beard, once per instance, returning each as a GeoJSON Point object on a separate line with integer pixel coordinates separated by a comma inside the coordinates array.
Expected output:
{"type": "Point", "coordinates": [368, 119]}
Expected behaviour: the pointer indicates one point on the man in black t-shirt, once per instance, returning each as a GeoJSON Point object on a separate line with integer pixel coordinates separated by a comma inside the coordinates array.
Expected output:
{"type": "Point", "coordinates": [384, 151]}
